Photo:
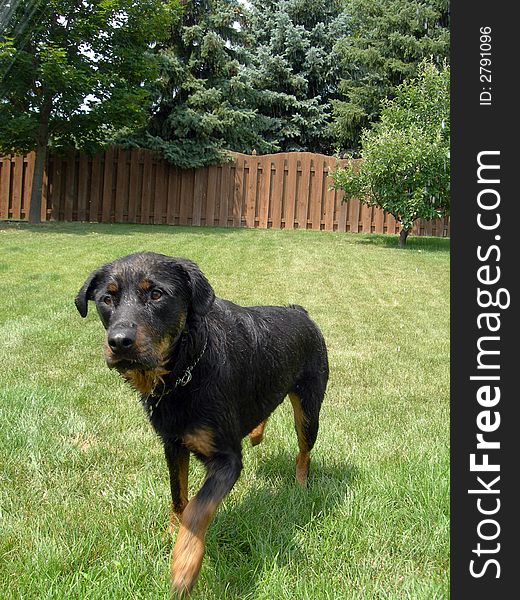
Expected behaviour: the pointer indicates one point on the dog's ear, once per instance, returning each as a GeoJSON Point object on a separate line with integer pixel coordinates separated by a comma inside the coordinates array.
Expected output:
{"type": "Point", "coordinates": [202, 294]}
{"type": "Point", "coordinates": [86, 293]}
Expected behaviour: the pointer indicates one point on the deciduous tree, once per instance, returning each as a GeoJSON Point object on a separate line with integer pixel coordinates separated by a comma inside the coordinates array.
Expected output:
{"type": "Point", "coordinates": [405, 167]}
{"type": "Point", "coordinates": [72, 72]}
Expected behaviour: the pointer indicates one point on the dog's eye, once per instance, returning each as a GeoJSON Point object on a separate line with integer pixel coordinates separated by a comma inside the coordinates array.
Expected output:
{"type": "Point", "coordinates": [156, 294]}
{"type": "Point", "coordinates": [107, 299]}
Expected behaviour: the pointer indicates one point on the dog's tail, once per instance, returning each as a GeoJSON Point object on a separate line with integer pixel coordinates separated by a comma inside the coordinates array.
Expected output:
{"type": "Point", "coordinates": [299, 308]}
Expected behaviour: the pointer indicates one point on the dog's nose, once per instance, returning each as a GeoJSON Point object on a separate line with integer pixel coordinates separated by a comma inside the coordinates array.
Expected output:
{"type": "Point", "coordinates": [121, 340]}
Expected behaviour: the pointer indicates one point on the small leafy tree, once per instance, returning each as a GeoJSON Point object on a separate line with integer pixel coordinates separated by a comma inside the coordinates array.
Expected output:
{"type": "Point", "coordinates": [72, 73]}
{"type": "Point", "coordinates": [405, 167]}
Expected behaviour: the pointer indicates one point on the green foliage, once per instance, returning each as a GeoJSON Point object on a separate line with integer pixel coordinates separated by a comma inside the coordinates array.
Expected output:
{"type": "Point", "coordinates": [245, 78]}
{"type": "Point", "coordinates": [200, 99]}
{"type": "Point", "coordinates": [294, 70]}
{"type": "Point", "coordinates": [71, 77]}
{"type": "Point", "coordinates": [390, 39]}
{"type": "Point", "coordinates": [406, 156]}
{"type": "Point", "coordinates": [215, 75]}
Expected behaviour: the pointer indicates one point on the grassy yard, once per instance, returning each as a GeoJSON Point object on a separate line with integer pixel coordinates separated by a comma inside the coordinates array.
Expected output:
{"type": "Point", "coordinates": [84, 496]}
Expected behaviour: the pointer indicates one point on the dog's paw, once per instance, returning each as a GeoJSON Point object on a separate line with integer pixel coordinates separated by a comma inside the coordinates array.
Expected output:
{"type": "Point", "coordinates": [186, 563]}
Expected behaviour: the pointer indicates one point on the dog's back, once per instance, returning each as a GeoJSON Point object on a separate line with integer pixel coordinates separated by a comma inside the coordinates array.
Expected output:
{"type": "Point", "coordinates": [266, 352]}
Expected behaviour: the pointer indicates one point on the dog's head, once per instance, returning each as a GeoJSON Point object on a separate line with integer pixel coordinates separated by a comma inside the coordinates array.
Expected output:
{"type": "Point", "coordinates": [144, 301]}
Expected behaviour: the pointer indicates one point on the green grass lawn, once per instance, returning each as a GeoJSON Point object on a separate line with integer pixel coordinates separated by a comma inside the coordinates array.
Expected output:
{"type": "Point", "coordinates": [84, 496]}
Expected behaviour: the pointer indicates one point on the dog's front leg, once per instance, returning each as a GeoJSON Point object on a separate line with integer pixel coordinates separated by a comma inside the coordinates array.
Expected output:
{"type": "Point", "coordinates": [222, 472]}
{"type": "Point", "coordinates": [177, 459]}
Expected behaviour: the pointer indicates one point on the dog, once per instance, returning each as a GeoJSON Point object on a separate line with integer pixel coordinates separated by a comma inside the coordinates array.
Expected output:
{"type": "Point", "coordinates": [210, 373]}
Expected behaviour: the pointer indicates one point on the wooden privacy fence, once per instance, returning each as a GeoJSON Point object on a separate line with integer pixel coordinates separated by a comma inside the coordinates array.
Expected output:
{"type": "Point", "coordinates": [286, 190]}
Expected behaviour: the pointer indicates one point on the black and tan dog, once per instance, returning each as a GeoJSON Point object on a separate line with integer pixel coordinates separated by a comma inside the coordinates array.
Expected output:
{"type": "Point", "coordinates": [209, 372]}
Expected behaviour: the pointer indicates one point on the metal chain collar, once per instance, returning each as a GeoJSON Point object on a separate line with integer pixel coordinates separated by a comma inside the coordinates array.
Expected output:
{"type": "Point", "coordinates": [183, 380]}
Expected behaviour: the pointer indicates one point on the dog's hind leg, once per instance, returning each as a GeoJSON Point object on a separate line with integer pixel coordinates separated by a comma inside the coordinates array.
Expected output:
{"type": "Point", "coordinates": [306, 406]}
{"type": "Point", "coordinates": [257, 434]}
{"type": "Point", "coordinates": [304, 443]}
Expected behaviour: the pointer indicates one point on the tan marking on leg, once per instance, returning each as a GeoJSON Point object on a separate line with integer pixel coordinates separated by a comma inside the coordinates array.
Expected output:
{"type": "Point", "coordinates": [188, 551]}
{"type": "Point", "coordinates": [303, 458]}
{"type": "Point", "coordinates": [200, 440]}
{"type": "Point", "coordinates": [257, 434]}
{"type": "Point", "coordinates": [302, 467]}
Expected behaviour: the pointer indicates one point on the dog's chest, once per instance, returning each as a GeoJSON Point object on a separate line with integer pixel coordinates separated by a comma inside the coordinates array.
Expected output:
{"type": "Point", "coordinates": [173, 421]}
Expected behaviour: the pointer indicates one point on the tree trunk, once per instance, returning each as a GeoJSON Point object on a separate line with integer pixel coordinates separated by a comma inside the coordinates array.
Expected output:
{"type": "Point", "coordinates": [39, 164]}
{"type": "Point", "coordinates": [402, 237]}
{"type": "Point", "coordinates": [37, 185]}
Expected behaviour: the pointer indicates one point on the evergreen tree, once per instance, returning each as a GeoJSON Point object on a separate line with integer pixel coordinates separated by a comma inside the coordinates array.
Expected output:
{"type": "Point", "coordinates": [389, 40]}
{"type": "Point", "coordinates": [294, 70]}
{"type": "Point", "coordinates": [201, 107]}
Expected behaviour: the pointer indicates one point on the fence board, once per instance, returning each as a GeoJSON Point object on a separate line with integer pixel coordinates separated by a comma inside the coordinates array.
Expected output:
{"type": "Point", "coordinates": [354, 212]}
{"type": "Point", "coordinates": [82, 187]}
{"type": "Point", "coordinates": [318, 193]}
{"type": "Point", "coordinates": [172, 196]}
{"type": "Point", "coordinates": [186, 196]}
{"type": "Point", "coordinates": [330, 197]}
{"type": "Point", "coordinates": [44, 213]}
{"type": "Point", "coordinates": [61, 187]}
{"type": "Point", "coordinates": [133, 186]}
{"type": "Point", "coordinates": [159, 200]}
{"type": "Point", "coordinates": [225, 188]}
{"type": "Point", "coordinates": [95, 188]}
{"type": "Point", "coordinates": [277, 191]}
{"type": "Point", "coordinates": [391, 224]}
{"type": "Point", "coordinates": [441, 225]}
{"type": "Point", "coordinates": [251, 191]}
{"type": "Point", "coordinates": [199, 195]}
{"type": "Point", "coordinates": [27, 184]}
{"type": "Point", "coordinates": [238, 191]}
{"type": "Point", "coordinates": [147, 188]}
{"type": "Point", "coordinates": [211, 198]}
{"type": "Point", "coordinates": [70, 177]}
{"type": "Point", "coordinates": [17, 184]}
{"type": "Point", "coordinates": [5, 187]}
{"type": "Point", "coordinates": [108, 175]}
{"type": "Point", "coordinates": [290, 192]}
{"type": "Point", "coordinates": [366, 218]}
{"type": "Point", "coordinates": [303, 193]}
{"type": "Point", "coordinates": [121, 198]}
{"type": "Point", "coordinates": [342, 212]}
{"type": "Point", "coordinates": [379, 219]}
{"type": "Point", "coordinates": [264, 187]}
